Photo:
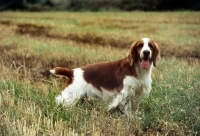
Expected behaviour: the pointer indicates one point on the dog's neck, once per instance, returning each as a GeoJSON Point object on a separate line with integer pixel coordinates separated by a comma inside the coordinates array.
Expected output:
{"type": "Point", "coordinates": [143, 72]}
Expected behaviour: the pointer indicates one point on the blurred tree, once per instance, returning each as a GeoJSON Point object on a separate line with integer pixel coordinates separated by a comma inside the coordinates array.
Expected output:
{"type": "Point", "coordinates": [178, 4]}
{"type": "Point", "coordinates": [96, 5]}
{"type": "Point", "coordinates": [11, 4]}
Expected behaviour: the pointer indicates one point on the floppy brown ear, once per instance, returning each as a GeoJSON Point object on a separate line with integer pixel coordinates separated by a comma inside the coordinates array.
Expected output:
{"type": "Point", "coordinates": [131, 54]}
{"type": "Point", "coordinates": [156, 53]}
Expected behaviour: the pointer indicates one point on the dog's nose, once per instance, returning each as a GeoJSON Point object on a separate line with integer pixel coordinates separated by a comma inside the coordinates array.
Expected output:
{"type": "Point", "coordinates": [146, 52]}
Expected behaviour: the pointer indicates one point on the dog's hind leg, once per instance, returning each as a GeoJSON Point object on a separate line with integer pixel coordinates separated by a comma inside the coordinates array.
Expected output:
{"type": "Point", "coordinates": [70, 96]}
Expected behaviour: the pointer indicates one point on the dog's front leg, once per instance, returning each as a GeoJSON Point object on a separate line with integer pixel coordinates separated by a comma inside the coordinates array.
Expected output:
{"type": "Point", "coordinates": [125, 107]}
{"type": "Point", "coordinates": [120, 100]}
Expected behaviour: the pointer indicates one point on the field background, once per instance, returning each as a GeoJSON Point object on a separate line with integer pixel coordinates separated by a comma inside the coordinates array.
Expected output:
{"type": "Point", "coordinates": [32, 43]}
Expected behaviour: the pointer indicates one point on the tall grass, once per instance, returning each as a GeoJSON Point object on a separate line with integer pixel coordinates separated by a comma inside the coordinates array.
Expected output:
{"type": "Point", "coordinates": [173, 107]}
{"type": "Point", "coordinates": [175, 97]}
{"type": "Point", "coordinates": [27, 90]}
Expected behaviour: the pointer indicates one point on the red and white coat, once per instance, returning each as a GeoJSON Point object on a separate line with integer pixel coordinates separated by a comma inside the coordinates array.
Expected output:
{"type": "Point", "coordinates": [125, 81]}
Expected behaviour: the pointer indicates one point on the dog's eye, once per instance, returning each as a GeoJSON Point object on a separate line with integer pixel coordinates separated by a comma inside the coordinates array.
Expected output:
{"type": "Point", "coordinates": [151, 46]}
{"type": "Point", "coordinates": [140, 46]}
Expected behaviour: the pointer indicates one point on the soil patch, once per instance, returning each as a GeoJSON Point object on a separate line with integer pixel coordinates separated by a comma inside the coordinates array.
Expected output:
{"type": "Point", "coordinates": [179, 51]}
{"type": "Point", "coordinates": [112, 23]}
{"type": "Point", "coordinates": [90, 38]}
{"type": "Point", "coordinates": [33, 30]}
{"type": "Point", "coordinates": [97, 40]}
{"type": "Point", "coordinates": [87, 38]}
{"type": "Point", "coordinates": [7, 23]}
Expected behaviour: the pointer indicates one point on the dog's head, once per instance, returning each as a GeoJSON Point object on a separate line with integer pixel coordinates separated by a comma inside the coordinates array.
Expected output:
{"type": "Point", "coordinates": [144, 51]}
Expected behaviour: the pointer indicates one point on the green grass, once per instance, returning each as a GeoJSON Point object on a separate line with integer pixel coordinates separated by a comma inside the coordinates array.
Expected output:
{"type": "Point", "coordinates": [175, 96]}
{"type": "Point", "coordinates": [33, 43]}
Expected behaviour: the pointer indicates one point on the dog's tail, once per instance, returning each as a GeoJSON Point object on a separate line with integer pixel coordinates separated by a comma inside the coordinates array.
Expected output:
{"type": "Point", "coordinates": [62, 71]}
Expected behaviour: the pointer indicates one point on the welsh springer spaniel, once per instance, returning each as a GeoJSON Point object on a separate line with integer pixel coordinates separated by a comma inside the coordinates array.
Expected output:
{"type": "Point", "coordinates": [125, 81]}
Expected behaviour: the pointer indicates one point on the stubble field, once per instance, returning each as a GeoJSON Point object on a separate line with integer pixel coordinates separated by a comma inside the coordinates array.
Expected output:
{"type": "Point", "coordinates": [32, 43]}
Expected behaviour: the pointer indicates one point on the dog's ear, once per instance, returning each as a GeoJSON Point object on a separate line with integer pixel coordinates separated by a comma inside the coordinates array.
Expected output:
{"type": "Point", "coordinates": [132, 54]}
{"type": "Point", "coordinates": [156, 53]}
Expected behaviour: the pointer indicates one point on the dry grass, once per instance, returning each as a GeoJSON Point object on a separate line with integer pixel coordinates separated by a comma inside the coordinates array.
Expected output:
{"type": "Point", "coordinates": [33, 43]}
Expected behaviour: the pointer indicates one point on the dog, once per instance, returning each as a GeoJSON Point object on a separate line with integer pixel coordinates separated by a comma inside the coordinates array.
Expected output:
{"type": "Point", "coordinates": [125, 81]}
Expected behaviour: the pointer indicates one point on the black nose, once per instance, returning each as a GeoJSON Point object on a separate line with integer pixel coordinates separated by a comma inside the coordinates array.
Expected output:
{"type": "Point", "coordinates": [146, 52]}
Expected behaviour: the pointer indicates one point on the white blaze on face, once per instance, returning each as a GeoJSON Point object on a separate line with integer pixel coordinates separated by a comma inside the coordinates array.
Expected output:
{"type": "Point", "coordinates": [145, 63]}
{"type": "Point", "coordinates": [145, 48]}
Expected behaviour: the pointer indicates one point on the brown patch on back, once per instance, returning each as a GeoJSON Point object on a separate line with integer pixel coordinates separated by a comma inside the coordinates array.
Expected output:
{"type": "Point", "coordinates": [108, 75]}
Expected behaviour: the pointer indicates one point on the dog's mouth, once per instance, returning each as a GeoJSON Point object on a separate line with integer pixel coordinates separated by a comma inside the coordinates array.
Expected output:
{"type": "Point", "coordinates": [145, 63]}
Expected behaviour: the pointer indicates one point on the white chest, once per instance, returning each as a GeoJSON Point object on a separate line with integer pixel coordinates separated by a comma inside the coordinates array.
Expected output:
{"type": "Point", "coordinates": [138, 86]}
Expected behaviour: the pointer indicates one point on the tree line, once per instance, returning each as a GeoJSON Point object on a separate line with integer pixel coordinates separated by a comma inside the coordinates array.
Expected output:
{"type": "Point", "coordinates": [97, 5]}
